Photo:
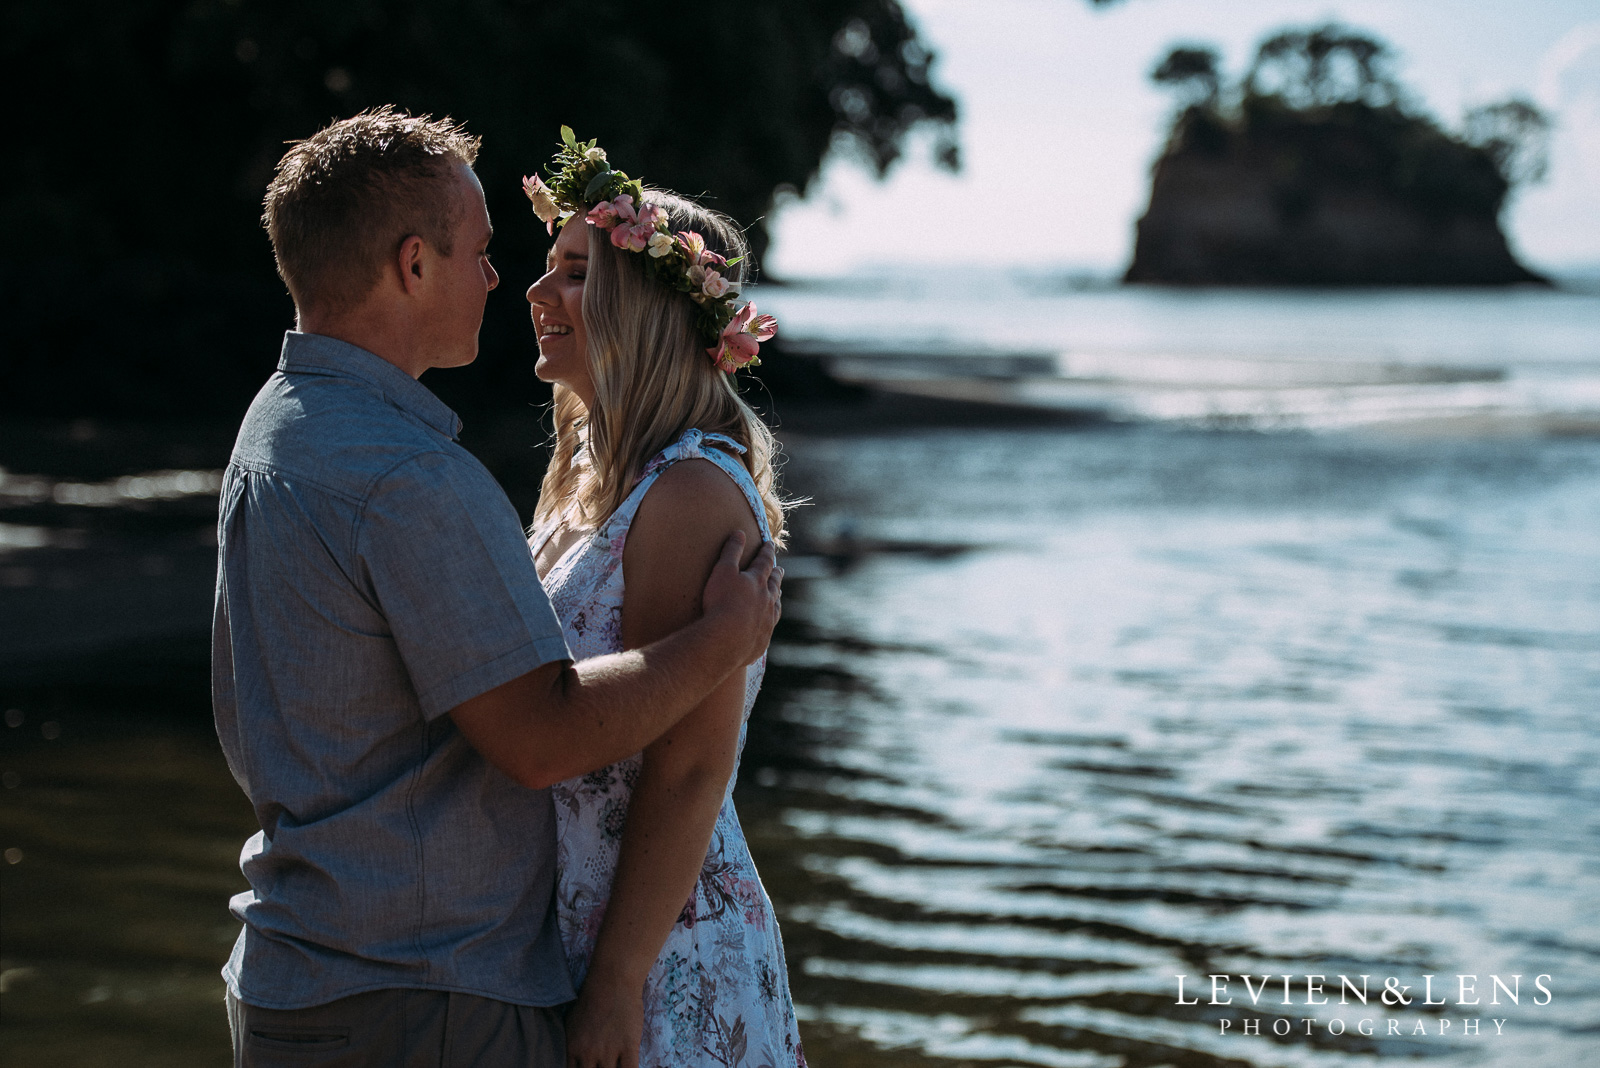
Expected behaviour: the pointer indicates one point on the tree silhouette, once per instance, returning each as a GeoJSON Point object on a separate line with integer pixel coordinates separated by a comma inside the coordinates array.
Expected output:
{"type": "Point", "coordinates": [1193, 72]}
{"type": "Point", "coordinates": [135, 277]}
{"type": "Point", "coordinates": [1516, 134]}
{"type": "Point", "coordinates": [1301, 71]}
{"type": "Point", "coordinates": [1323, 66]}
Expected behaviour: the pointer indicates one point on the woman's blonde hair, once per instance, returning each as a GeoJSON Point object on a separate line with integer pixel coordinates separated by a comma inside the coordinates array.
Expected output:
{"type": "Point", "coordinates": [653, 379]}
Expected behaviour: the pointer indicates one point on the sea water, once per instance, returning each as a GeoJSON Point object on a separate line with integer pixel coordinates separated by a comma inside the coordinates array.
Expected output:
{"type": "Point", "coordinates": [1078, 711]}
{"type": "Point", "coordinates": [1269, 359]}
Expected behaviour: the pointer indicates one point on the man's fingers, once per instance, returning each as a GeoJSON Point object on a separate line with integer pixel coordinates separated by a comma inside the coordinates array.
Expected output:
{"type": "Point", "coordinates": [775, 582]}
{"type": "Point", "coordinates": [761, 567]}
{"type": "Point", "coordinates": [732, 549]}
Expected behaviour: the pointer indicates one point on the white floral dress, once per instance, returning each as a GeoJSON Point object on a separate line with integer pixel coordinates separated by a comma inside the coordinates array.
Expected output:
{"type": "Point", "coordinates": [719, 992]}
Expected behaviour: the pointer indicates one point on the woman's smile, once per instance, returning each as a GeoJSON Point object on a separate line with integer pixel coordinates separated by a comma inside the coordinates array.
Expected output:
{"type": "Point", "coordinates": [556, 305]}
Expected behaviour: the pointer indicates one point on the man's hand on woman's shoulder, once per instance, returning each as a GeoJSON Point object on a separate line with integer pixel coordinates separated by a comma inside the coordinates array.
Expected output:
{"type": "Point", "coordinates": [700, 616]}
{"type": "Point", "coordinates": [750, 600]}
{"type": "Point", "coordinates": [692, 534]}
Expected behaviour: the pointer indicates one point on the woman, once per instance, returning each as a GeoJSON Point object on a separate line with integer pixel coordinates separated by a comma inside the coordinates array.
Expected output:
{"type": "Point", "coordinates": [670, 938]}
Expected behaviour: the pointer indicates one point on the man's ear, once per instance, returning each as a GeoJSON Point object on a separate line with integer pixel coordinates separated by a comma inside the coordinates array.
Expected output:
{"type": "Point", "coordinates": [409, 261]}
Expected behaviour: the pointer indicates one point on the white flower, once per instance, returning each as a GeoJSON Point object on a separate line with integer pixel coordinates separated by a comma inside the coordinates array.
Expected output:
{"type": "Point", "coordinates": [544, 206]}
{"type": "Point", "coordinates": [597, 154]}
{"type": "Point", "coordinates": [660, 244]}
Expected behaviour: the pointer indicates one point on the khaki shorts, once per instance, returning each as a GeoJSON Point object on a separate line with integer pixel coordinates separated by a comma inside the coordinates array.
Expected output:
{"type": "Point", "coordinates": [398, 1029]}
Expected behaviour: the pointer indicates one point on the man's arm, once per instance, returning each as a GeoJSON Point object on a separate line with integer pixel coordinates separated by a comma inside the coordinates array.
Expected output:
{"type": "Point", "coordinates": [565, 719]}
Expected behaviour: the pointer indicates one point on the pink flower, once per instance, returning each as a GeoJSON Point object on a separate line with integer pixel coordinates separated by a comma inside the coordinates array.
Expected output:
{"type": "Point", "coordinates": [652, 215]}
{"type": "Point", "coordinates": [714, 286]}
{"type": "Point", "coordinates": [745, 320]}
{"type": "Point", "coordinates": [633, 238]}
{"type": "Point", "coordinates": [694, 247]}
{"type": "Point", "coordinates": [629, 229]}
{"type": "Point", "coordinates": [609, 213]}
{"type": "Point", "coordinates": [740, 340]}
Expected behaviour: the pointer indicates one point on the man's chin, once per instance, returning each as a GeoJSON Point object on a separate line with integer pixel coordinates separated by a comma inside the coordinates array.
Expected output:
{"type": "Point", "coordinates": [459, 359]}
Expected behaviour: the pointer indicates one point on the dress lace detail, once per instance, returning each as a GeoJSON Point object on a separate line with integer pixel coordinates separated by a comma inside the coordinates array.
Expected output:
{"type": "Point", "coordinates": [719, 992]}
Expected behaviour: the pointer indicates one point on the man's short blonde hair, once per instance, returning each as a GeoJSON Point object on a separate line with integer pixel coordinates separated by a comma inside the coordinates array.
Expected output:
{"type": "Point", "coordinates": [345, 198]}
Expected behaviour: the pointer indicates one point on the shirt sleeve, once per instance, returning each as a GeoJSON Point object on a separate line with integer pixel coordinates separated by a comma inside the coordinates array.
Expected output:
{"type": "Point", "coordinates": [445, 560]}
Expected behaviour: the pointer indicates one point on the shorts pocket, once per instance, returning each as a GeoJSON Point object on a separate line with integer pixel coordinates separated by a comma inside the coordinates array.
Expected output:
{"type": "Point", "coordinates": [300, 1040]}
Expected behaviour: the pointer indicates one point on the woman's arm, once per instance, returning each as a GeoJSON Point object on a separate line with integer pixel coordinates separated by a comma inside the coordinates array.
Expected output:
{"type": "Point", "coordinates": [673, 543]}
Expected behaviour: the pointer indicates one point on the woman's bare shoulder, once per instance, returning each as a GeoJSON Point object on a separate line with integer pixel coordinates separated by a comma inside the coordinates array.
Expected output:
{"type": "Point", "coordinates": [673, 543]}
{"type": "Point", "coordinates": [694, 503]}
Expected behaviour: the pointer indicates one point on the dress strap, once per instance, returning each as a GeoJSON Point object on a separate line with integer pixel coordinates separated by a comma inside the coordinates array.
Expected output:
{"type": "Point", "coordinates": [736, 470]}
{"type": "Point", "coordinates": [692, 446]}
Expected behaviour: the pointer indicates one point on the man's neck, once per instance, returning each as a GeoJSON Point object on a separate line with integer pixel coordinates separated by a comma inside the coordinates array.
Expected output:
{"type": "Point", "coordinates": [377, 331]}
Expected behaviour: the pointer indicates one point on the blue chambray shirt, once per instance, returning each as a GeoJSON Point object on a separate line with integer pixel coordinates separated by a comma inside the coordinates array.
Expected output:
{"type": "Point", "coordinates": [372, 576]}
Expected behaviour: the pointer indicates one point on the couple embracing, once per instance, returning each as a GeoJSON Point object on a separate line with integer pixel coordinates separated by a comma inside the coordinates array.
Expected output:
{"type": "Point", "coordinates": [494, 773]}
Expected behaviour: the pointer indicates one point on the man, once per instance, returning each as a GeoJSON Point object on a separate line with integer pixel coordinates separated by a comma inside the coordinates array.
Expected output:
{"type": "Point", "coordinates": [392, 689]}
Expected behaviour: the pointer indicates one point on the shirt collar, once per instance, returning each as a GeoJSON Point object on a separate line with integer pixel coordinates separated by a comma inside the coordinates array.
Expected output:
{"type": "Point", "coordinates": [318, 354]}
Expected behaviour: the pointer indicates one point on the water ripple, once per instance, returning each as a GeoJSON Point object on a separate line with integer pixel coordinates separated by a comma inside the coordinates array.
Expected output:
{"type": "Point", "coordinates": [1347, 733]}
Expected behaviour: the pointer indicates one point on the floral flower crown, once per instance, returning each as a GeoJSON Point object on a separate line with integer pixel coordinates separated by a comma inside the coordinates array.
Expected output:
{"type": "Point", "coordinates": [582, 182]}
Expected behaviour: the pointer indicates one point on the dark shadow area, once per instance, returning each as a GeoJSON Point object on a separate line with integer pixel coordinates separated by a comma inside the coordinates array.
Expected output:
{"type": "Point", "coordinates": [136, 279]}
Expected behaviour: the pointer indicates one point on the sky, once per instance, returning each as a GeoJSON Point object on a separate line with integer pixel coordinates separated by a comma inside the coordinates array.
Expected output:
{"type": "Point", "coordinates": [1059, 124]}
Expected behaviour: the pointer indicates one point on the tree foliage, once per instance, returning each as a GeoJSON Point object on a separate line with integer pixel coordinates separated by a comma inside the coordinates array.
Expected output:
{"type": "Point", "coordinates": [1194, 72]}
{"type": "Point", "coordinates": [1516, 134]}
{"type": "Point", "coordinates": [1330, 90]}
{"type": "Point", "coordinates": [136, 276]}
{"type": "Point", "coordinates": [1323, 66]}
